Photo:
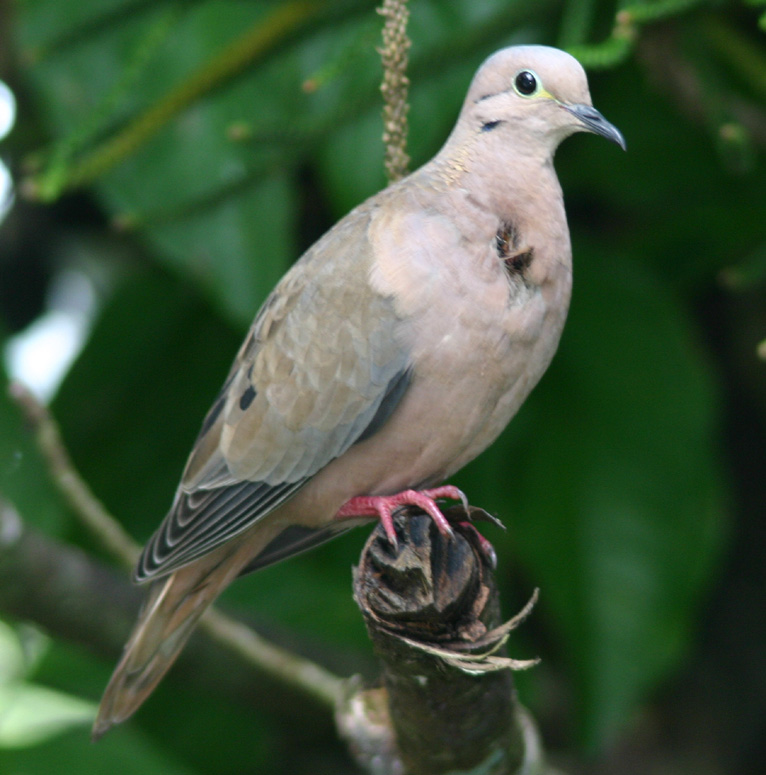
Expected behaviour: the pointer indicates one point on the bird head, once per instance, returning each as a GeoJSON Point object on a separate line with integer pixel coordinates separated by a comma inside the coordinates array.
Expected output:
{"type": "Point", "coordinates": [538, 93]}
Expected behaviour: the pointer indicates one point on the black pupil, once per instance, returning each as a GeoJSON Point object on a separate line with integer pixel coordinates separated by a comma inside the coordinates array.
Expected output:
{"type": "Point", "coordinates": [526, 82]}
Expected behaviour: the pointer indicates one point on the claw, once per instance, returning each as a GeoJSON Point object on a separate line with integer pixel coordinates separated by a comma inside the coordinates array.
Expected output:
{"type": "Point", "coordinates": [485, 547]}
{"type": "Point", "coordinates": [382, 506]}
{"type": "Point", "coordinates": [480, 515]}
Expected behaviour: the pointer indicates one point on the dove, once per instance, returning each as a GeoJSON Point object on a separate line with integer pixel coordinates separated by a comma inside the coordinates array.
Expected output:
{"type": "Point", "coordinates": [392, 353]}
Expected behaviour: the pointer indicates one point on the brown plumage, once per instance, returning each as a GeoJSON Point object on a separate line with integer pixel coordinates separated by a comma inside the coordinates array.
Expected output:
{"type": "Point", "coordinates": [388, 357]}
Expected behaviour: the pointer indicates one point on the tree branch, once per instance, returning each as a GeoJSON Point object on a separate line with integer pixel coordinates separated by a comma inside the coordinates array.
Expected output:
{"type": "Point", "coordinates": [281, 664]}
{"type": "Point", "coordinates": [262, 37]}
{"type": "Point", "coordinates": [78, 599]}
{"type": "Point", "coordinates": [432, 611]}
{"type": "Point", "coordinates": [78, 495]}
{"type": "Point", "coordinates": [431, 608]}
{"type": "Point", "coordinates": [60, 588]}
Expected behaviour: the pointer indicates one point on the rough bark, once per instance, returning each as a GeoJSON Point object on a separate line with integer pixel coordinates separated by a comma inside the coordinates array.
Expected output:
{"type": "Point", "coordinates": [433, 615]}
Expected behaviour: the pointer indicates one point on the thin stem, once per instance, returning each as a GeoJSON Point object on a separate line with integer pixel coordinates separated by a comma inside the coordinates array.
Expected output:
{"type": "Point", "coordinates": [628, 21]}
{"type": "Point", "coordinates": [231, 61]}
{"type": "Point", "coordinates": [57, 171]}
{"type": "Point", "coordinates": [279, 663]}
{"type": "Point", "coordinates": [88, 508]}
{"type": "Point", "coordinates": [395, 86]}
{"type": "Point", "coordinates": [303, 674]}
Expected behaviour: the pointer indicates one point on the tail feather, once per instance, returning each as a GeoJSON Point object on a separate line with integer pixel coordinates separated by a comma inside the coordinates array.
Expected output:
{"type": "Point", "coordinates": [172, 609]}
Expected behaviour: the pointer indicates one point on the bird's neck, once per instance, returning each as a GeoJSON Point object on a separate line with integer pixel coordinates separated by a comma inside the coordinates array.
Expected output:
{"type": "Point", "coordinates": [514, 186]}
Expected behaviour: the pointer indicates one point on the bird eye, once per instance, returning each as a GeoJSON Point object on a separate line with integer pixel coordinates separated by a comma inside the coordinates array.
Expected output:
{"type": "Point", "coordinates": [526, 83]}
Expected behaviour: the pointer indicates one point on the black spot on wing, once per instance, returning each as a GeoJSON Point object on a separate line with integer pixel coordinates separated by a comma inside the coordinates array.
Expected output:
{"type": "Point", "coordinates": [247, 398]}
{"type": "Point", "coordinates": [204, 519]}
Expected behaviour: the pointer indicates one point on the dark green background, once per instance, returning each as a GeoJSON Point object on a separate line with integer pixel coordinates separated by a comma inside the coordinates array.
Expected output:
{"type": "Point", "coordinates": [631, 482]}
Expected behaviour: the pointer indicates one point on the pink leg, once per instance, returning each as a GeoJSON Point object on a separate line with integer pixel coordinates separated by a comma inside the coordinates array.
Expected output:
{"type": "Point", "coordinates": [382, 506]}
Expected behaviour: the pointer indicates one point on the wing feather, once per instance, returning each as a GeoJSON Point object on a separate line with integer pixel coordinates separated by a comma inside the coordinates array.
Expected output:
{"type": "Point", "coordinates": [323, 366]}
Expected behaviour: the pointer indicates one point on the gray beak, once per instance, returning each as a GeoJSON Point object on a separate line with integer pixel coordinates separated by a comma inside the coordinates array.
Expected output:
{"type": "Point", "coordinates": [596, 123]}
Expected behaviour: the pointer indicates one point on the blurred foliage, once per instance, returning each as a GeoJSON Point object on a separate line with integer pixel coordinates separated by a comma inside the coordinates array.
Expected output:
{"type": "Point", "coordinates": [189, 150]}
{"type": "Point", "coordinates": [32, 713]}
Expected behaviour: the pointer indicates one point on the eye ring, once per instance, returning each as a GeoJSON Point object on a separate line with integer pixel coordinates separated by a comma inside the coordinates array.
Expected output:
{"type": "Point", "coordinates": [526, 83]}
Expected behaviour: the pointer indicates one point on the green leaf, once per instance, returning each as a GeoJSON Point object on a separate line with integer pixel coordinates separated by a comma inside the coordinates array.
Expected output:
{"type": "Point", "coordinates": [610, 488]}
{"type": "Point", "coordinates": [24, 479]}
{"type": "Point", "coordinates": [21, 648]}
{"type": "Point", "coordinates": [155, 361]}
{"type": "Point", "coordinates": [607, 479]}
{"type": "Point", "coordinates": [71, 753]}
{"type": "Point", "coordinates": [30, 714]}
{"type": "Point", "coordinates": [12, 658]}
{"type": "Point", "coordinates": [189, 188]}
{"type": "Point", "coordinates": [222, 211]}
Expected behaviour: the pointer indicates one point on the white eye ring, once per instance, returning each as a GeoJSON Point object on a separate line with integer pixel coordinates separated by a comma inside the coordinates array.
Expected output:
{"type": "Point", "coordinates": [526, 83]}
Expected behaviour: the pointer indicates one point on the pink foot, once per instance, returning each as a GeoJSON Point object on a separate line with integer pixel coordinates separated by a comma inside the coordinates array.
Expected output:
{"type": "Point", "coordinates": [382, 506]}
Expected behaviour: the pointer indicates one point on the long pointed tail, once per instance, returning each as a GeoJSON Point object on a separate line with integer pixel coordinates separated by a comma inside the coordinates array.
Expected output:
{"type": "Point", "coordinates": [172, 609]}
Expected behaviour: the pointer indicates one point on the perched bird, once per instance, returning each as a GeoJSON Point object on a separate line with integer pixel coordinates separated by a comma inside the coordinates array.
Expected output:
{"type": "Point", "coordinates": [390, 355]}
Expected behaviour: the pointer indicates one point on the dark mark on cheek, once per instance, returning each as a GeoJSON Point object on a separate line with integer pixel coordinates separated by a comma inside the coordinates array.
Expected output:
{"type": "Point", "coordinates": [490, 125]}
